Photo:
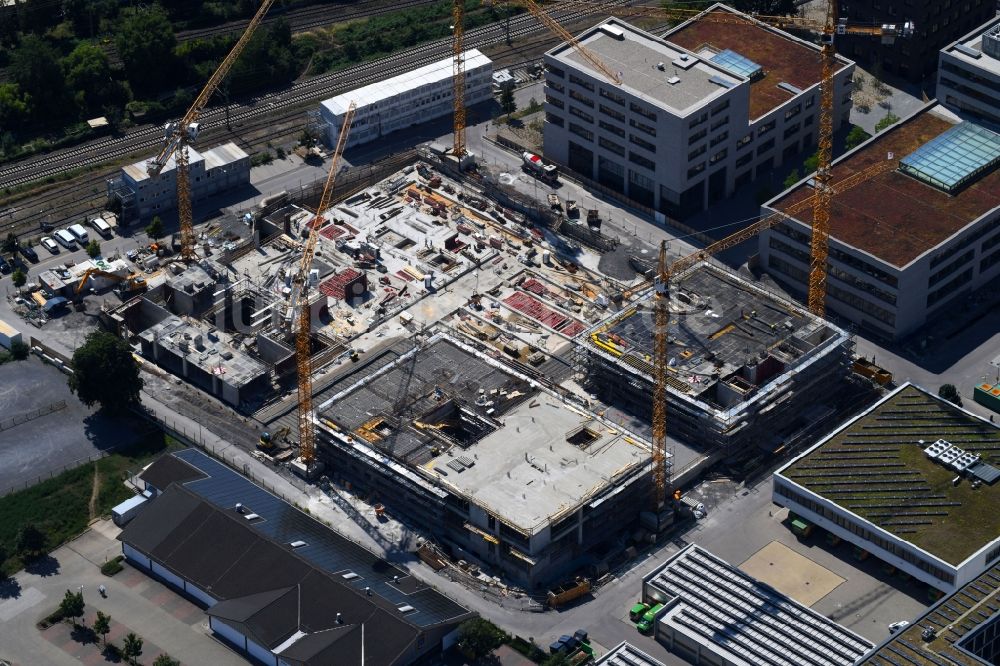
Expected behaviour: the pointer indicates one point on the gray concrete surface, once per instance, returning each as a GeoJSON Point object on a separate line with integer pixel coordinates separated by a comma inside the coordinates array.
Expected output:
{"type": "Point", "coordinates": [134, 601]}
{"type": "Point", "coordinates": [40, 447]}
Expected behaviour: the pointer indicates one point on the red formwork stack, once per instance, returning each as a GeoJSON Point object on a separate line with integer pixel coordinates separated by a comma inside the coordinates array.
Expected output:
{"type": "Point", "coordinates": [348, 283]}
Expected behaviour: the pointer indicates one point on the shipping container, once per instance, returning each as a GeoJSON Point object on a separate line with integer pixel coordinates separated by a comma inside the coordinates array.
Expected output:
{"type": "Point", "coordinates": [8, 335]}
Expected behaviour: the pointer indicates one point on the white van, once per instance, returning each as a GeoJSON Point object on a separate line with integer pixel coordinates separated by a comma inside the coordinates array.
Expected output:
{"type": "Point", "coordinates": [101, 226]}
{"type": "Point", "coordinates": [66, 239]}
{"type": "Point", "coordinates": [79, 233]}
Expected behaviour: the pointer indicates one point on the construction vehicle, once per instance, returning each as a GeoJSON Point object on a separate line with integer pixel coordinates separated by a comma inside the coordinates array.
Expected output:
{"type": "Point", "coordinates": [179, 135]}
{"type": "Point", "coordinates": [645, 624]}
{"type": "Point", "coordinates": [533, 164]}
{"type": "Point", "coordinates": [306, 465]}
{"type": "Point", "coordinates": [554, 202]}
{"type": "Point", "coordinates": [269, 443]}
{"type": "Point", "coordinates": [127, 285]}
{"type": "Point", "coordinates": [866, 368]}
{"type": "Point", "coordinates": [566, 592]}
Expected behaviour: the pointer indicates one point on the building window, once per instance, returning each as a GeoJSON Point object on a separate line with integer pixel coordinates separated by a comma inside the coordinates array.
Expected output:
{"type": "Point", "coordinates": [617, 115]}
{"type": "Point", "coordinates": [950, 268]}
{"type": "Point", "coordinates": [808, 120]}
{"type": "Point", "coordinates": [635, 108]}
{"type": "Point", "coordinates": [697, 151]}
{"type": "Point", "coordinates": [611, 145]}
{"type": "Point", "coordinates": [555, 101]}
{"type": "Point", "coordinates": [722, 107]}
{"type": "Point", "coordinates": [743, 161]}
{"type": "Point", "coordinates": [573, 78]}
{"type": "Point", "coordinates": [721, 155]}
{"type": "Point", "coordinates": [611, 128]}
{"type": "Point", "coordinates": [698, 121]}
{"type": "Point", "coordinates": [696, 169]}
{"type": "Point", "coordinates": [581, 98]}
{"type": "Point", "coordinates": [719, 123]}
{"type": "Point", "coordinates": [642, 143]}
{"type": "Point", "coordinates": [555, 71]}
{"type": "Point", "coordinates": [636, 158]}
{"type": "Point", "coordinates": [764, 147]}
{"type": "Point", "coordinates": [745, 141]}
{"type": "Point", "coordinates": [791, 129]}
{"type": "Point", "coordinates": [613, 96]}
{"type": "Point", "coordinates": [581, 131]}
{"type": "Point", "coordinates": [793, 111]}
{"type": "Point", "coordinates": [765, 128]}
{"type": "Point", "coordinates": [642, 126]}
{"type": "Point", "coordinates": [810, 102]}
{"type": "Point", "coordinates": [583, 115]}
{"type": "Point", "coordinates": [716, 140]}
{"type": "Point", "coordinates": [558, 87]}
{"type": "Point", "coordinates": [554, 119]}
{"type": "Point", "coordinates": [697, 136]}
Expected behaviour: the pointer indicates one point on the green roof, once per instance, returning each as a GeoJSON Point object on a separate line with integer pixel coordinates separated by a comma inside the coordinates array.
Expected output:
{"type": "Point", "coordinates": [876, 468]}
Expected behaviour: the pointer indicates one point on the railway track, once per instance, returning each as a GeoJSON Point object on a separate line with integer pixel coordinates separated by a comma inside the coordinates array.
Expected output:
{"type": "Point", "coordinates": [147, 139]}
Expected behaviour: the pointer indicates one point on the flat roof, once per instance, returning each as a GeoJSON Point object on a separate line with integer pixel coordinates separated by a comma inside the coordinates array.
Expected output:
{"type": "Point", "coordinates": [969, 49]}
{"type": "Point", "coordinates": [784, 58]}
{"type": "Point", "coordinates": [626, 654]}
{"type": "Point", "coordinates": [957, 621]}
{"type": "Point", "coordinates": [403, 83]}
{"type": "Point", "coordinates": [746, 621]}
{"type": "Point", "coordinates": [875, 467]}
{"type": "Point", "coordinates": [635, 58]}
{"type": "Point", "coordinates": [221, 155]}
{"type": "Point", "coordinates": [720, 325]}
{"type": "Point", "coordinates": [473, 426]}
{"type": "Point", "coordinates": [880, 215]}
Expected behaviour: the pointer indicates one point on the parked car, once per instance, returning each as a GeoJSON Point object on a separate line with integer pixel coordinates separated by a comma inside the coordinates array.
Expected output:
{"type": "Point", "coordinates": [896, 627]}
{"type": "Point", "coordinates": [50, 245]}
{"type": "Point", "coordinates": [80, 234]}
{"type": "Point", "coordinates": [66, 239]}
{"type": "Point", "coordinates": [101, 227]}
{"type": "Point", "coordinates": [28, 252]}
{"type": "Point", "coordinates": [4, 266]}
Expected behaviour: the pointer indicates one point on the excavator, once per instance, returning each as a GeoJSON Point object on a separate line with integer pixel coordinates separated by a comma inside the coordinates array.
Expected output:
{"type": "Point", "coordinates": [126, 286]}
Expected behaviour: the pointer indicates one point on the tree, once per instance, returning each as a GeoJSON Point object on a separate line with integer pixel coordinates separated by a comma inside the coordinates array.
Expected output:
{"type": "Point", "coordinates": [155, 228]}
{"type": "Point", "coordinates": [950, 393]}
{"type": "Point", "coordinates": [166, 660]}
{"type": "Point", "coordinates": [93, 248]}
{"type": "Point", "coordinates": [507, 102]}
{"type": "Point", "coordinates": [34, 67]}
{"type": "Point", "coordinates": [132, 647]}
{"type": "Point", "coordinates": [478, 637]}
{"type": "Point", "coordinates": [19, 350]}
{"type": "Point", "coordinates": [19, 278]}
{"type": "Point", "coordinates": [88, 76]}
{"type": "Point", "coordinates": [9, 243]}
{"type": "Point", "coordinates": [811, 163]}
{"type": "Point", "coordinates": [890, 119]}
{"type": "Point", "coordinates": [15, 106]}
{"type": "Point", "coordinates": [30, 541]}
{"type": "Point", "coordinates": [104, 372]}
{"type": "Point", "coordinates": [793, 178]}
{"type": "Point", "coordinates": [557, 659]}
{"type": "Point", "coordinates": [102, 627]}
{"type": "Point", "coordinates": [72, 605]}
{"type": "Point", "coordinates": [145, 42]}
{"type": "Point", "coordinates": [856, 137]}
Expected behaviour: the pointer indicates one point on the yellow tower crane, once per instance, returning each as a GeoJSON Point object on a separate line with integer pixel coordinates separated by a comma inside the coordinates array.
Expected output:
{"type": "Point", "coordinates": [458, 76]}
{"type": "Point", "coordinates": [178, 135]}
{"type": "Point", "coordinates": [300, 300]}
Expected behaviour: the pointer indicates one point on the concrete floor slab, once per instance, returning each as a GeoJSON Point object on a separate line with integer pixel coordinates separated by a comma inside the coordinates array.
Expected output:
{"type": "Point", "coordinates": [790, 573]}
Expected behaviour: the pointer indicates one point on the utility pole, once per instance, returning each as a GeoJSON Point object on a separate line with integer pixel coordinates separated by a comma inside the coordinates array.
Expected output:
{"type": "Point", "coordinates": [507, 22]}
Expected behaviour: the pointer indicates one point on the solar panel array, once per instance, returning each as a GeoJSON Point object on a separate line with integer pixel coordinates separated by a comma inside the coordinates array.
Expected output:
{"type": "Point", "coordinates": [734, 63]}
{"type": "Point", "coordinates": [627, 655]}
{"type": "Point", "coordinates": [955, 157]}
{"type": "Point", "coordinates": [749, 620]}
{"type": "Point", "coordinates": [323, 548]}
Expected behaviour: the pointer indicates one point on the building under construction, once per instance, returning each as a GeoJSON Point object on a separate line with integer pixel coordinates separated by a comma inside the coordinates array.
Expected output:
{"type": "Point", "coordinates": [496, 467]}
{"type": "Point", "coordinates": [748, 369]}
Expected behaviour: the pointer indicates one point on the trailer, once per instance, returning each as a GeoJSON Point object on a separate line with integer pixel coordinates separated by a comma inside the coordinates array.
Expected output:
{"type": "Point", "coordinates": [8, 335]}
{"type": "Point", "coordinates": [566, 592]}
{"type": "Point", "coordinates": [534, 165]}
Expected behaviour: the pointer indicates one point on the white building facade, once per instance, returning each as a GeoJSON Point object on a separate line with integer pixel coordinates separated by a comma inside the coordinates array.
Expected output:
{"type": "Point", "coordinates": [678, 134]}
{"type": "Point", "coordinates": [969, 75]}
{"type": "Point", "coordinates": [405, 100]}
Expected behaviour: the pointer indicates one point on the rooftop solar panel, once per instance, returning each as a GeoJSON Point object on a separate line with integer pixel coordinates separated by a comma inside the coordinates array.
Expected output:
{"type": "Point", "coordinates": [734, 63]}
{"type": "Point", "coordinates": [955, 157]}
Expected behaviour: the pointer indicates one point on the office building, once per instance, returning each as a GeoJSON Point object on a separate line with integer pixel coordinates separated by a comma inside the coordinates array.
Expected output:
{"type": "Point", "coordinates": [911, 481]}
{"type": "Point", "coordinates": [909, 241]}
{"type": "Point", "coordinates": [969, 75]}
{"type": "Point", "coordinates": [712, 106]}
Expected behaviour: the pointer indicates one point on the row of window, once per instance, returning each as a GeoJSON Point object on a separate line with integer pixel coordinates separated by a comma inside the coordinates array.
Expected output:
{"type": "Point", "coordinates": [889, 546]}
{"type": "Point", "coordinates": [860, 304]}
{"type": "Point", "coordinates": [950, 268]}
{"type": "Point", "coordinates": [938, 295]}
{"type": "Point", "coordinates": [841, 256]}
{"type": "Point", "coordinates": [982, 231]}
{"type": "Point", "coordinates": [836, 272]}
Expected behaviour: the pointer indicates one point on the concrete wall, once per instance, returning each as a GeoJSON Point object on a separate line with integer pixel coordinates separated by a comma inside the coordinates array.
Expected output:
{"type": "Point", "coordinates": [135, 556]}
{"type": "Point", "coordinates": [227, 632]}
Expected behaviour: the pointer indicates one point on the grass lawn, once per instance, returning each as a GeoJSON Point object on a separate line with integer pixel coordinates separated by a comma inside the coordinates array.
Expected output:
{"type": "Point", "coordinates": [60, 506]}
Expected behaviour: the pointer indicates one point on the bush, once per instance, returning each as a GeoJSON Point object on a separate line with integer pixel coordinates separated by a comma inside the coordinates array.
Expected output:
{"type": "Point", "coordinates": [478, 637]}
{"type": "Point", "coordinates": [111, 567]}
{"type": "Point", "coordinates": [856, 137]}
{"type": "Point", "coordinates": [793, 178]}
{"type": "Point", "coordinates": [261, 158]}
{"type": "Point", "coordinates": [155, 228]}
{"type": "Point", "coordinates": [890, 119]}
{"type": "Point", "coordinates": [950, 393]}
{"type": "Point", "coordinates": [19, 350]}
{"type": "Point", "coordinates": [19, 278]}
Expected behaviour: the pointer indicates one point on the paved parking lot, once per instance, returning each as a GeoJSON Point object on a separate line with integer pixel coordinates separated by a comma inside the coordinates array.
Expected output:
{"type": "Point", "coordinates": [163, 619]}
{"type": "Point", "coordinates": [45, 445]}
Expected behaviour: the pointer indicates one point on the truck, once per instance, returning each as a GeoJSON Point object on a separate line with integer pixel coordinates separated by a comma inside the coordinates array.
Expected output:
{"type": "Point", "coordinates": [637, 611]}
{"type": "Point", "coordinates": [566, 592]}
{"type": "Point", "coordinates": [866, 368]}
{"type": "Point", "coordinates": [646, 623]}
{"type": "Point", "coordinates": [534, 165]}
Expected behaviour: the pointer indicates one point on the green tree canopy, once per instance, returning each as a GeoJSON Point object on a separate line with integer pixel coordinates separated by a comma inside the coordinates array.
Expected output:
{"type": "Point", "coordinates": [132, 647]}
{"type": "Point", "coordinates": [478, 637]}
{"type": "Point", "coordinates": [15, 106]}
{"type": "Point", "coordinates": [166, 660]}
{"type": "Point", "coordinates": [30, 541]}
{"type": "Point", "coordinates": [72, 605]}
{"type": "Point", "coordinates": [950, 393]}
{"type": "Point", "coordinates": [34, 67]}
{"type": "Point", "coordinates": [102, 626]}
{"type": "Point", "coordinates": [145, 42]}
{"type": "Point", "coordinates": [93, 248]}
{"type": "Point", "coordinates": [105, 373]}
{"type": "Point", "coordinates": [88, 74]}
{"type": "Point", "coordinates": [18, 278]}
{"type": "Point", "coordinates": [507, 102]}
{"type": "Point", "coordinates": [856, 137]}
{"type": "Point", "coordinates": [155, 228]}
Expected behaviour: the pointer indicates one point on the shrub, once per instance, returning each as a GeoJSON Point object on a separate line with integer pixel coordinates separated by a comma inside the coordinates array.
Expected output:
{"type": "Point", "coordinates": [111, 567]}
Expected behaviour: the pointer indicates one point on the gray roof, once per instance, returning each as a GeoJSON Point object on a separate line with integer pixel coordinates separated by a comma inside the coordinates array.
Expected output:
{"type": "Point", "coordinates": [625, 654]}
{"type": "Point", "coordinates": [169, 469]}
{"type": "Point", "coordinates": [748, 622]}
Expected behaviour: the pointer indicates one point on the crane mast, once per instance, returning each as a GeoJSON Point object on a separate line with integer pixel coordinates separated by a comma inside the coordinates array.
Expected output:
{"type": "Point", "coordinates": [661, 315]}
{"type": "Point", "coordinates": [177, 136]}
{"type": "Point", "coordinates": [458, 76]}
{"type": "Point", "coordinates": [303, 351]}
